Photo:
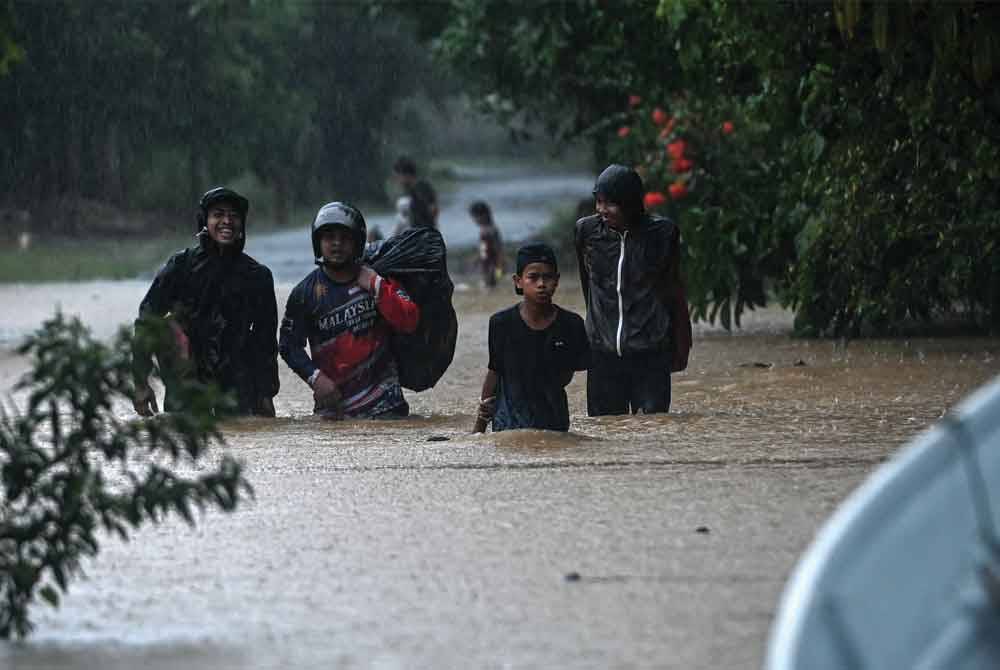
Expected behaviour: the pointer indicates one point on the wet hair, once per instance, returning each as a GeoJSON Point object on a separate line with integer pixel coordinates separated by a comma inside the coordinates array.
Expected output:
{"type": "Point", "coordinates": [623, 186]}
{"type": "Point", "coordinates": [405, 165]}
{"type": "Point", "coordinates": [480, 209]}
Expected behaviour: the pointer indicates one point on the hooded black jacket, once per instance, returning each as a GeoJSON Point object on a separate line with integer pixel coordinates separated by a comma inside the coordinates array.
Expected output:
{"type": "Point", "coordinates": [628, 278]}
{"type": "Point", "coordinates": [225, 304]}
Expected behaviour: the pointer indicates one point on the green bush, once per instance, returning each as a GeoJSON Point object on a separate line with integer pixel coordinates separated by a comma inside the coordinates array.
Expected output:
{"type": "Point", "coordinates": [71, 467]}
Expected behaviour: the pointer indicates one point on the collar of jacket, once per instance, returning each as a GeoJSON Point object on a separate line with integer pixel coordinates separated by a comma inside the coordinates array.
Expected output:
{"type": "Point", "coordinates": [642, 222]}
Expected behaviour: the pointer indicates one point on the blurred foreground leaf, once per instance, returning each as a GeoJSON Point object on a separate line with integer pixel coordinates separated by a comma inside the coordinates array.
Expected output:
{"type": "Point", "coordinates": [71, 466]}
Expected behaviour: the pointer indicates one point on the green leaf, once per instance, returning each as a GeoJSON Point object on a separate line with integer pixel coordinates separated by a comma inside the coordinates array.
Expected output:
{"type": "Point", "coordinates": [49, 595]}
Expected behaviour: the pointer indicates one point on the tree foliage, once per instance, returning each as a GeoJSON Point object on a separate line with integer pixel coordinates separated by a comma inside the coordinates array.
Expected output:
{"type": "Point", "coordinates": [855, 183]}
{"type": "Point", "coordinates": [71, 468]}
{"type": "Point", "coordinates": [148, 104]}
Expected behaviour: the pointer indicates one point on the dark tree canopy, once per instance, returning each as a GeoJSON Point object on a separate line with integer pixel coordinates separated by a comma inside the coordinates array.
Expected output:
{"type": "Point", "coordinates": [837, 155]}
{"type": "Point", "coordinates": [147, 104]}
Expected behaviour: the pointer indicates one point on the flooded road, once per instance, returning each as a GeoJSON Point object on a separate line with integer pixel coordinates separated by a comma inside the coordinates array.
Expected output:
{"type": "Point", "coordinates": [521, 206]}
{"type": "Point", "coordinates": [631, 542]}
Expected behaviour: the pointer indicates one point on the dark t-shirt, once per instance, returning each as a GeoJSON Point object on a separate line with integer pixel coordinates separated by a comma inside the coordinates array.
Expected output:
{"type": "Point", "coordinates": [533, 367]}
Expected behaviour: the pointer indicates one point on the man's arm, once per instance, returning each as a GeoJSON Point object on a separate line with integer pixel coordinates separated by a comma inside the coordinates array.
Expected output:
{"type": "Point", "coordinates": [391, 301]}
{"type": "Point", "coordinates": [265, 330]}
{"type": "Point", "coordinates": [158, 300]}
{"type": "Point", "coordinates": [674, 294]}
{"type": "Point", "coordinates": [292, 338]}
{"type": "Point", "coordinates": [292, 347]}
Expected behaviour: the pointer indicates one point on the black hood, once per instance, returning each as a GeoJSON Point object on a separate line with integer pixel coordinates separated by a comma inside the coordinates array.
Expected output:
{"type": "Point", "coordinates": [212, 196]}
{"type": "Point", "coordinates": [622, 186]}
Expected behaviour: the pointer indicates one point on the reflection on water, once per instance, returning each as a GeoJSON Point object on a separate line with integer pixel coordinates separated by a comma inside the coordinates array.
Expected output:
{"type": "Point", "coordinates": [414, 543]}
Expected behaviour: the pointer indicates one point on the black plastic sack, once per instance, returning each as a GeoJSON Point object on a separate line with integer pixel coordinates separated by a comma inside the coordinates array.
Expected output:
{"type": "Point", "coordinates": [417, 259]}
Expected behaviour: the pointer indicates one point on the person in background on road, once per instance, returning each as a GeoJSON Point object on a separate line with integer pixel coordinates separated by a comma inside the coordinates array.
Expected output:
{"type": "Point", "coordinates": [534, 349]}
{"type": "Point", "coordinates": [404, 216]}
{"type": "Point", "coordinates": [423, 198]}
{"type": "Point", "coordinates": [220, 305]}
{"type": "Point", "coordinates": [346, 312]}
{"type": "Point", "coordinates": [490, 258]}
{"type": "Point", "coordinates": [636, 307]}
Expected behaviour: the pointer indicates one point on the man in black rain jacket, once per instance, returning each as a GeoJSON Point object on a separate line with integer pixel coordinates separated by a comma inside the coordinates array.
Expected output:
{"type": "Point", "coordinates": [221, 309]}
{"type": "Point", "coordinates": [637, 319]}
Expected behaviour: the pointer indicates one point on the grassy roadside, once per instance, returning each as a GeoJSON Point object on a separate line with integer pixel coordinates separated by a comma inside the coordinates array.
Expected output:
{"type": "Point", "coordinates": [62, 259]}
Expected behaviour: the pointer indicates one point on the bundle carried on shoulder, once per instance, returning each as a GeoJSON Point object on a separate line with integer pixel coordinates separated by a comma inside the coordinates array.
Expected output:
{"type": "Point", "coordinates": [417, 259]}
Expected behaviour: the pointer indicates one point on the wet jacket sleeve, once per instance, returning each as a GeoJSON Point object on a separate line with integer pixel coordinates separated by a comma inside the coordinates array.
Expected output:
{"type": "Point", "coordinates": [159, 300]}
{"type": "Point", "coordinates": [265, 328]}
{"type": "Point", "coordinates": [292, 341]}
{"type": "Point", "coordinates": [395, 306]}
{"type": "Point", "coordinates": [673, 292]}
{"type": "Point", "coordinates": [581, 256]}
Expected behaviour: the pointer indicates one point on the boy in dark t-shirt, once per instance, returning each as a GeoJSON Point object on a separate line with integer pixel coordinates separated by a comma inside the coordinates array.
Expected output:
{"type": "Point", "coordinates": [535, 347]}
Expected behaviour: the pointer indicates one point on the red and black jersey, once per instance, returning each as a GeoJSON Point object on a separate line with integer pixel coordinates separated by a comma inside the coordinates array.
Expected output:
{"type": "Point", "coordinates": [348, 330]}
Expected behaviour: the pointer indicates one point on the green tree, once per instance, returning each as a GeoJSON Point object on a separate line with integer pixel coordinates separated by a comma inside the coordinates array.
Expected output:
{"type": "Point", "coordinates": [70, 467]}
{"type": "Point", "coordinates": [853, 183]}
{"type": "Point", "coordinates": [148, 104]}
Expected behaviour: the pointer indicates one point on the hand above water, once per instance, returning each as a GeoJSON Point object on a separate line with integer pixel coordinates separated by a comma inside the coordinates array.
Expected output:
{"type": "Point", "coordinates": [144, 401]}
{"type": "Point", "coordinates": [366, 278]}
{"type": "Point", "coordinates": [326, 394]}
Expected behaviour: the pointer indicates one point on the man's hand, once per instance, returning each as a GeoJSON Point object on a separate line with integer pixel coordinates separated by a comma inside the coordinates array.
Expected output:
{"type": "Point", "coordinates": [265, 407]}
{"type": "Point", "coordinates": [326, 394]}
{"type": "Point", "coordinates": [366, 278]}
{"type": "Point", "coordinates": [144, 401]}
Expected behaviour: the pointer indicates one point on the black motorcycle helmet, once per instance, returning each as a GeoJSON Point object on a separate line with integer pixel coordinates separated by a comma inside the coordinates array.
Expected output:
{"type": "Point", "coordinates": [623, 186]}
{"type": "Point", "coordinates": [340, 214]}
{"type": "Point", "coordinates": [220, 194]}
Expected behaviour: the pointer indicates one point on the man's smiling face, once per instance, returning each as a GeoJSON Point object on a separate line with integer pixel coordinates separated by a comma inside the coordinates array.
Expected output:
{"type": "Point", "coordinates": [224, 223]}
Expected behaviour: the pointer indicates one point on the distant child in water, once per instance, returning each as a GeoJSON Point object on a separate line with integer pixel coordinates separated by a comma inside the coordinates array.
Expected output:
{"type": "Point", "coordinates": [490, 259]}
{"type": "Point", "coordinates": [535, 347]}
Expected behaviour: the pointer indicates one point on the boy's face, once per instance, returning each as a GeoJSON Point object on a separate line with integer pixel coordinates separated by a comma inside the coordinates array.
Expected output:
{"type": "Point", "coordinates": [224, 223]}
{"type": "Point", "coordinates": [337, 246]}
{"type": "Point", "coordinates": [611, 212]}
{"type": "Point", "coordinates": [538, 282]}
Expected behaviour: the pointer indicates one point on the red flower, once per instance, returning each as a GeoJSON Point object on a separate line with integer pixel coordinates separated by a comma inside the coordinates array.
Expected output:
{"type": "Point", "coordinates": [634, 100]}
{"type": "Point", "coordinates": [654, 199]}
{"type": "Point", "coordinates": [624, 131]}
{"type": "Point", "coordinates": [727, 127]}
{"type": "Point", "coordinates": [659, 116]}
{"type": "Point", "coordinates": [678, 190]}
{"type": "Point", "coordinates": [680, 165]}
{"type": "Point", "coordinates": [676, 149]}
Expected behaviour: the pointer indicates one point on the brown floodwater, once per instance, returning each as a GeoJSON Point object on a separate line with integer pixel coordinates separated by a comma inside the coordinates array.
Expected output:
{"type": "Point", "coordinates": [630, 542]}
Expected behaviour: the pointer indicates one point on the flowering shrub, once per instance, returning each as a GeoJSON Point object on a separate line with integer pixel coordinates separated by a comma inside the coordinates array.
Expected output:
{"type": "Point", "coordinates": [704, 175]}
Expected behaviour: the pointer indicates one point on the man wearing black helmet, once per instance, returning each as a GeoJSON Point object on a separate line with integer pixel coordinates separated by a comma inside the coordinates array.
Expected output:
{"type": "Point", "coordinates": [346, 313]}
{"type": "Point", "coordinates": [637, 319]}
{"type": "Point", "coordinates": [220, 304]}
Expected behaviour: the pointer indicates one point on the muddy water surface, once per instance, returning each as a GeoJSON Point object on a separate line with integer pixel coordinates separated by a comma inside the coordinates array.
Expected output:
{"type": "Point", "coordinates": [413, 544]}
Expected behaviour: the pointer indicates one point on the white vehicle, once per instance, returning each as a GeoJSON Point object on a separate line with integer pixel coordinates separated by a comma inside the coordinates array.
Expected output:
{"type": "Point", "coordinates": [906, 574]}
